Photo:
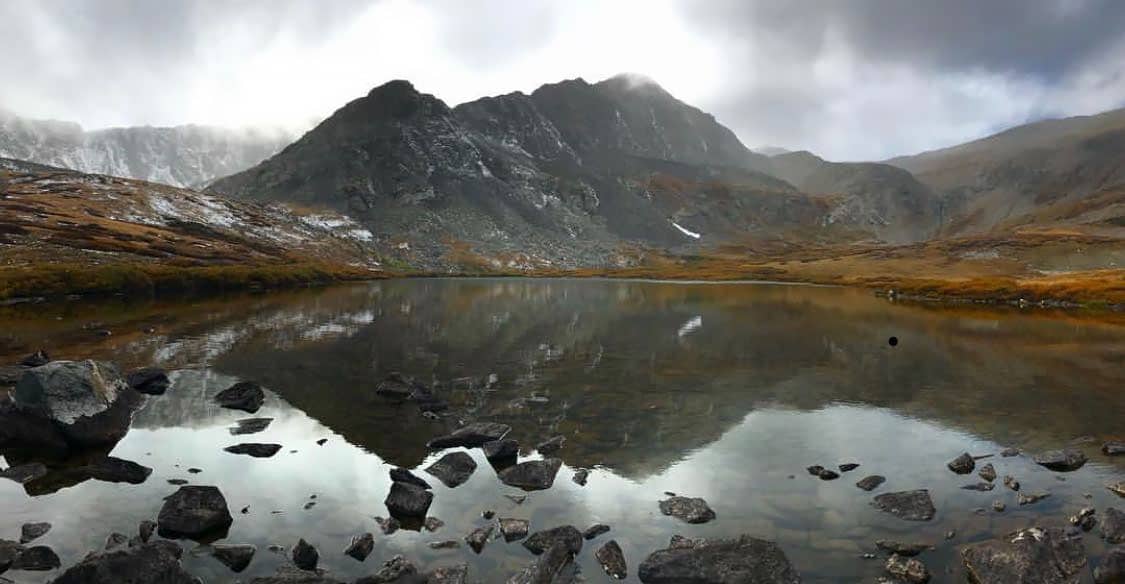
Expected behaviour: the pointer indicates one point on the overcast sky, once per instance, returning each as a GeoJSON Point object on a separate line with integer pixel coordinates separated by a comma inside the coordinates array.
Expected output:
{"type": "Point", "coordinates": [848, 79]}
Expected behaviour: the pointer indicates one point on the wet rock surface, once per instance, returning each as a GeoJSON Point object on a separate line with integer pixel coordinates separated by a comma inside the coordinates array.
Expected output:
{"type": "Point", "coordinates": [305, 556]}
{"type": "Point", "coordinates": [1032, 556]}
{"type": "Point", "coordinates": [250, 426]}
{"type": "Point", "coordinates": [612, 559]}
{"type": "Point", "coordinates": [963, 464]}
{"type": "Point", "coordinates": [554, 566]}
{"type": "Point", "coordinates": [401, 475]}
{"type": "Point", "coordinates": [397, 570]}
{"type": "Point", "coordinates": [687, 509]}
{"type": "Point", "coordinates": [568, 535]}
{"type": "Point", "coordinates": [156, 562]}
{"type": "Point", "coordinates": [595, 530]}
{"type": "Point", "coordinates": [471, 435]}
{"type": "Point", "coordinates": [532, 475]}
{"type": "Point", "coordinates": [719, 561]}
{"type": "Point", "coordinates": [408, 500]}
{"type": "Point", "coordinates": [907, 549]}
{"type": "Point", "coordinates": [294, 575]}
{"type": "Point", "coordinates": [9, 551]}
{"type": "Point", "coordinates": [907, 569]}
{"type": "Point", "coordinates": [580, 477]}
{"type": "Point", "coordinates": [501, 452]}
{"type": "Point", "coordinates": [38, 558]}
{"type": "Point", "coordinates": [909, 505]}
{"type": "Point", "coordinates": [458, 574]}
{"type": "Point", "coordinates": [254, 449]}
{"type": "Point", "coordinates": [360, 547]}
{"type": "Point", "coordinates": [194, 511]}
{"type": "Point", "coordinates": [453, 469]}
{"type": "Point", "coordinates": [244, 395]}
{"type": "Point", "coordinates": [1065, 460]}
{"type": "Point", "coordinates": [30, 532]}
{"type": "Point", "coordinates": [514, 529]}
{"type": "Point", "coordinates": [1113, 525]}
{"type": "Point", "coordinates": [149, 380]}
{"type": "Point", "coordinates": [1111, 570]}
{"type": "Point", "coordinates": [478, 538]}
{"type": "Point", "coordinates": [235, 557]}
{"type": "Point", "coordinates": [1031, 498]}
{"type": "Point", "coordinates": [870, 483]}
{"type": "Point", "coordinates": [988, 472]}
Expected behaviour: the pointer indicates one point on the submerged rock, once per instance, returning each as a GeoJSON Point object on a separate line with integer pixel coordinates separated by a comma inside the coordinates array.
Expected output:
{"type": "Point", "coordinates": [848, 467]}
{"type": "Point", "coordinates": [1061, 460]}
{"type": "Point", "coordinates": [554, 566]}
{"type": "Point", "coordinates": [612, 559]}
{"type": "Point", "coordinates": [235, 557]}
{"type": "Point", "coordinates": [1113, 525]}
{"type": "Point", "coordinates": [532, 475]}
{"type": "Point", "coordinates": [254, 449]}
{"type": "Point", "coordinates": [595, 530]}
{"type": "Point", "coordinates": [36, 359]}
{"type": "Point", "coordinates": [293, 575]}
{"type": "Point", "coordinates": [1009, 452]}
{"type": "Point", "coordinates": [407, 500]}
{"type": "Point", "coordinates": [907, 569]}
{"type": "Point", "coordinates": [432, 524]}
{"type": "Point", "coordinates": [194, 511]}
{"type": "Point", "coordinates": [909, 505]}
{"type": "Point", "coordinates": [305, 556]}
{"type": "Point", "coordinates": [720, 561]}
{"type": "Point", "coordinates": [145, 530]}
{"type": "Point", "coordinates": [30, 532]}
{"type": "Point", "coordinates": [1030, 556]}
{"type": "Point", "coordinates": [988, 472]}
{"type": "Point", "coordinates": [38, 558]}
{"type": "Point", "coordinates": [1113, 448]}
{"type": "Point", "coordinates": [401, 475]}
{"type": "Point", "coordinates": [458, 574]}
{"type": "Point", "coordinates": [244, 395]}
{"type": "Point", "coordinates": [568, 535]}
{"type": "Point", "coordinates": [1111, 570]}
{"type": "Point", "coordinates": [149, 380]}
{"type": "Point", "coordinates": [514, 529]}
{"type": "Point", "coordinates": [1011, 483]}
{"type": "Point", "coordinates": [981, 486]}
{"type": "Point", "coordinates": [471, 435]}
{"type": "Point", "coordinates": [870, 483]}
{"type": "Point", "coordinates": [551, 445]}
{"type": "Point", "coordinates": [9, 551]}
{"type": "Point", "coordinates": [687, 509]}
{"type": "Point", "coordinates": [453, 469]}
{"type": "Point", "coordinates": [388, 525]}
{"type": "Point", "coordinates": [250, 426]}
{"type": "Point", "coordinates": [361, 546]}
{"type": "Point", "coordinates": [963, 464]}
{"type": "Point", "coordinates": [397, 570]}
{"type": "Point", "coordinates": [478, 538]}
{"type": "Point", "coordinates": [1117, 488]}
{"type": "Point", "coordinates": [1029, 498]}
{"type": "Point", "coordinates": [902, 548]}
{"type": "Point", "coordinates": [828, 475]}
{"type": "Point", "coordinates": [158, 561]}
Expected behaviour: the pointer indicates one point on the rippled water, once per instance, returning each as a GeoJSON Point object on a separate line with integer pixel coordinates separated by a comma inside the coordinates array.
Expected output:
{"type": "Point", "coordinates": [722, 391]}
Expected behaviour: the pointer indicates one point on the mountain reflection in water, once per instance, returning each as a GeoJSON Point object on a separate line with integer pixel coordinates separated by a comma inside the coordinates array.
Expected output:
{"type": "Point", "coordinates": [777, 379]}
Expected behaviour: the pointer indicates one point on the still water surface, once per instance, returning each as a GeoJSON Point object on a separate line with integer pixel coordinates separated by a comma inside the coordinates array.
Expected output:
{"type": "Point", "coordinates": [720, 391]}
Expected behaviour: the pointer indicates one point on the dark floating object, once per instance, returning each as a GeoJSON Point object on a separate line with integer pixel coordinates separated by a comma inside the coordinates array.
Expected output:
{"type": "Point", "coordinates": [246, 396]}
{"type": "Point", "coordinates": [893, 341]}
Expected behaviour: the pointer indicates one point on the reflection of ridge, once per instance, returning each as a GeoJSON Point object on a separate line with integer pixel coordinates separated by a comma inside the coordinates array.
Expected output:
{"type": "Point", "coordinates": [693, 324]}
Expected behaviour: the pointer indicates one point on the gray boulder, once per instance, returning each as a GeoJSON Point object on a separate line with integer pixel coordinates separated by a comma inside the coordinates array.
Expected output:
{"type": "Point", "coordinates": [38, 558]}
{"type": "Point", "coordinates": [471, 436]}
{"type": "Point", "coordinates": [194, 512]}
{"type": "Point", "coordinates": [1064, 460]}
{"type": "Point", "coordinates": [360, 547]}
{"type": "Point", "coordinates": [87, 402]}
{"type": "Point", "coordinates": [612, 559]}
{"type": "Point", "coordinates": [254, 449]}
{"type": "Point", "coordinates": [963, 464]}
{"type": "Point", "coordinates": [149, 380]}
{"type": "Point", "coordinates": [401, 475]}
{"type": "Point", "coordinates": [305, 556]}
{"type": "Point", "coordinates": [235, 557]}
{"type": "Point", "coordinates": [408, 500]}
{"type": "Point", "coordinates": [30, 532]}
{"type": "Point", "coordinates": [568, 535]}
{"type": "Point", "coordinates": [870, 483]}
{"type": "Point", "coordinates": [533, 475]}
{"type": "Point", "coordinates": [501, 452]}
{"type": "Point", "coordinates": [555, 566]}
{"type": "Point", "coordinates": [744, 560]}
{"type": "Point", "coordinates": [453, 469]}
{"type": "Point", "coordinates": [244, 395]}
{"type": "Point", "coordinates": [909, 505]}
{"type": "Point", "coordinates": [514, 529]}
{"type": "Point", "coordinates": [158, 561]}
{"type": "Point", "coordinates": [687, 509]}
{"type": "Point", "coordinates": [1028, 556]}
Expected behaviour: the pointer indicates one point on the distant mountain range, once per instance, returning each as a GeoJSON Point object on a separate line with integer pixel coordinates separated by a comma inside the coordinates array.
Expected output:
{"type": "Point", "coordinates": [183, 156]}
{"type": "Point", "coordinates": [576, 173]}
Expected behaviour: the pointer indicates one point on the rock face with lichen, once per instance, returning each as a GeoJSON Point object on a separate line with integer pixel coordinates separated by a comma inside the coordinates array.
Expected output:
{"type": "Point", "coordinates": [1032, 556]}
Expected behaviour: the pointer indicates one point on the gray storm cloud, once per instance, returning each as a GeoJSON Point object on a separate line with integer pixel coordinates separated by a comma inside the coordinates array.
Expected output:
{"type": "Point", "coordinates": [849, 79]}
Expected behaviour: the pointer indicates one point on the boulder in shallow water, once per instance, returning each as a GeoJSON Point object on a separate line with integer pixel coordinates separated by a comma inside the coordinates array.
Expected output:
{"type": "Point", "coordinates": [38, 558]}
{"type": "Point", "coordinates": [1113, 525]}
{"type": "Point", "coordinates": [1113, 448]}
{"type": "Point", "coordinates": [963, 464]}
{"type": "Point", "coordinates": [360, 547]}
{"type": "Point", "coordinates": [907, 569]}
{"type": "Point", "coordinates": [407, 500]}
{"type": "Point", "coordinates": [742, 560]}
{"type": "Point", "coordinates": [158, 561]}
{"type": "Point", "coordinates": [458, 574]}
{"type": "Point", "coordinates": [149, 380]}
{"type": "Point", "coordinates": [195, 512]}
{"type": "Point", "coordinates": [478, 538]}
{"type": "Point", "coordinates": [532, 475]}
{"type": "Point", "coordinates": [501, 452]}
{"type": "Point", "coordinates": [1065, 460]}
{"type": "Point", "coordinates": [471, 435]}
{"type": "Point", "coordinates": [254, 449]}
{"type": "Point", "coordinates": [687, 509]}
{"type": "Point", "coordinates": [909, 505]}
{"type": "Point", "coordinates": [30, 532]}
{"type": "Point", "coordinates": [453, 469]}
{"type": "Point", "coordinates": [1030, 556]}
{"type": "Point", "coordinates": [401, 475]}
{"type": "Point", "coordinates": [244, 395]}
{"type": "Point", "coordinates": [566, 534]}
{"type": "Point", "coordinates": [87, 402]}
{"type": "Point", "coordinates": [36, 359]}
{"type": "Point", "coordinates": [397, 570]}
{"type": "Point", "coordinates": [1111, 570]}
{"type": "Point", "coordinates": [305, 556]}
{"type": "Point", "coordinates": [555, 566]}
{"type": "Point", "coordinates": [514, 529]}
{"type": "Point", "coordinates": [901, 548]}
{"type": "Point", "coordinates": [235, 557]}
{"type": "Point", "coordinates": [595, 530]}
{"type": "Point", "coordinates": [871, 482]}
{"type": "Point", "coordinates": [551, 445]}
{"type": "Point", "coordinates": [988, 472]}
{"type": "Point", "coordinates": [116, 470]}
{"type": "Point", "coordinates": [612, 559]}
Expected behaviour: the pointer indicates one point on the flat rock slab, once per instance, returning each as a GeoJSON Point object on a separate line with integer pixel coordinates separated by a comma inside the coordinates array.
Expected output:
{"type": "Point", "coordinates": [1029, 556]}
{"type": "Point", "coordinates": [254, 449]}
{"type": "Point", "coordinates": [568, 535]}
{"type": "Point", "coordinates": [407, 500]}
{"type": "Point", "coordinates": [687, 509]}
{"type": "Point", "coordinates": [30, 532]}
{"type": "Point", "coordinates": [453, 469]}
{"type": "Point", "coordinates": [194, 511]}
{"type": "Point", "coordinates": [901, 548]}
{"type": "Point", "coordinates": [745, 560]}
{"type": "Point", "coordinates": [244, 395]}
{"type": "Point", "coordinates": [870, 483]}
{"type": "Point", "coordinates": [294, 575]}
{"type": "Point", "coordinates": [612, 560]}
{"type": "Point", "coordinates": [250, 426]}
{"type": "Point", "coordinates": [909, 505]}
{"type": "Point", "coordinates": [401, 475]}
{"type": "Point", "coordinates": [1065, 460]}
{"type": "Point", "coordinates": [235, 557]}
{"type": "Point", "coordinates": [360, 547]}
{"type": "Point", "coordinates": [533, 475]}
{"type": "Point", "coordinates": [471, 436]}
{"type": "Point", "coordinates": [1113, 525]}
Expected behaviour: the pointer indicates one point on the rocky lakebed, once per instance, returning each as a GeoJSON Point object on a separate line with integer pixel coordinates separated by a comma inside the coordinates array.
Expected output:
{"type": "Point", "coordinates": [170, 465]}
